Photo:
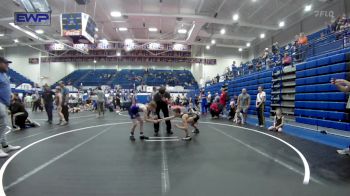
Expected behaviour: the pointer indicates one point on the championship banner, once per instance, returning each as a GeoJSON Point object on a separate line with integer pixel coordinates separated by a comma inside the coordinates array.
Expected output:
{"type": "Point", "coordinates": [116, 46]}
{"type": "Point", "coordinates": [129, 59]}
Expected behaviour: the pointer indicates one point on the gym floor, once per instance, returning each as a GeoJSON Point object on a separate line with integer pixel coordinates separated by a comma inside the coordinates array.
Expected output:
{"type": "Point", "coordinates": [94, 156]}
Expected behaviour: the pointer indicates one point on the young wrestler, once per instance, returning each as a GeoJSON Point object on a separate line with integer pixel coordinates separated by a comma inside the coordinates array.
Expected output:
{"type": "Point", "coordinates": [135, 116]}
{"type": "Point", "coordinates": [238, 119]}
{"type": "Point", "coordinates": [187, 119]}
{"type": "Point", "coordinates": [278, 122]}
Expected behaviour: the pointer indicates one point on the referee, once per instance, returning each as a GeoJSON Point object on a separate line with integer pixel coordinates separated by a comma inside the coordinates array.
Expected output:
{"type": "Point", "coordinates": [162, 98]}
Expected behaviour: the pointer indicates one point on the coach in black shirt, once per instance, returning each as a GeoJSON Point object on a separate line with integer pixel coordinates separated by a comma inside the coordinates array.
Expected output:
{"type": "Point", "coordinates": [48, 102]}
{"type": "Point", "coordinates": [162, 98]}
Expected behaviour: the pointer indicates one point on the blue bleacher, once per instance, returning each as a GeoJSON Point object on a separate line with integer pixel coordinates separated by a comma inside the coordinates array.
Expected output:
{"type": "Point", "coordinates": [18, 79]}
{"type": "Point", "coordinates": [317, 101]}
{"type": "Point", "coordinates": [128, 77]}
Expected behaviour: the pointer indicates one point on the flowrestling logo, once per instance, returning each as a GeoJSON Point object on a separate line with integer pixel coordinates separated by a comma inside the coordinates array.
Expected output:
{"type": "Point", "coordinates": [33, 18]}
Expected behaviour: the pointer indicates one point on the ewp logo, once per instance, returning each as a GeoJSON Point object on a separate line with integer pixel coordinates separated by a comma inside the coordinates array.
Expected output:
{"type": "Point", "coordinates": [34, 19]}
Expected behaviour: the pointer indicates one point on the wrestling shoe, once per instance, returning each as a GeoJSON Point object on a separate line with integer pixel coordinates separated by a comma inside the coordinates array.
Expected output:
{"type": "Point", "coordinates": [156, 134]}
{"type": "Point", "coordinates": [3, 154]}
{"type": "Point", "coordinates": [132, 138]}
{"type": "Point", "coordinates": [345, 151]}
{"type": "Point", "coordinates": [187, 138]}
{"type": "Point", "coordinates": [170, 132]}
{"type": "Point", "coordinates": [142, 137]}
{"type": "Point", "coordinates": [10, 148]}
{"type": "Point", "coordinates": [196, 131]}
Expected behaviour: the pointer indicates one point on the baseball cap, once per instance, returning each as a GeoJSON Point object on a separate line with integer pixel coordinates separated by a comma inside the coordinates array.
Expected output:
{"type": "Point", "coordinates": [3, 60]}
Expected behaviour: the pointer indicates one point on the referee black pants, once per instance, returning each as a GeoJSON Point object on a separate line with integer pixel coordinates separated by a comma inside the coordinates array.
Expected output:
{"type": "Point", "coordinates": [162, 106]}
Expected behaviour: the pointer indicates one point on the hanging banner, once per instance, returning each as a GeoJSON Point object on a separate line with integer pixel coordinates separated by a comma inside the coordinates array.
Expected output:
{"type": "Point", "coordinates": [116, 46]}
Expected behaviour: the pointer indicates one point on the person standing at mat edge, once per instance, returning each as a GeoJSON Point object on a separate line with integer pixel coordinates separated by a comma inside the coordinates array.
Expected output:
{"type": "Point", "coordinates": [48, 102]}
{"type": "Point", "coordinates": [162, 99]}
{"type": "Point", "coordinates": [65, 98]}
{"type": "Point", "coordinates": [344, 86]}
{"type": "Point", "coordinates": [244, 104]}
{"type": "Point", "coordinates": [5, 100]}
{"type": "Point", "coordinates": [260, 106]}
{"type": "Point", "coordinates": [100, 101]}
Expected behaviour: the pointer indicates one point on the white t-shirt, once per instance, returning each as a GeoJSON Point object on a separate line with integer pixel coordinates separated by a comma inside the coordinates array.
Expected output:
{"type": "Point", "coordinates": [260, 96]}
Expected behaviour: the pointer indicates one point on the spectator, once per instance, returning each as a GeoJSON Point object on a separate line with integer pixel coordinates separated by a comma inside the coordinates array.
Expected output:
{"type": "Point", "coordinates": [19, 115]}
{"type": "Point", "coordinates": [287, 60]}
{"type": "Point", "coordinates": [5, 101]}
{"type": "Point", "coordinates": [302, 39]}
{"type": "Point", "coordinates": [334, 24]}
{"type": "Point", "coordinates": [215, 109]}
{"type": "Point", "coordinates": [204, 103]}
{"type": "Point", "coordinates": [224, 98]}
{"type": "Point", "coordinates": [28, 101]}
{"type": "Point", "coordinates": [278, 121]}
{"type": "Point", "coordinates": [36, 101]}
{"type": "Point", "coordinates": [344, 86]}
{"type": "Point", "coordinates": [48, 102]}
{"type": "Point", "coordinates": [265, 54]}
{"type": "Point", "coordinates": [244, 103]}
{"type": "Point", "coordinates": [233, 67]}
{"type": "Point", "coordinates": [217, 97]}
{"type": "Point", "coordinates": [65, 98]}
{"type": "Point", "coordinates": [232, 109]}
{"type": "Point", "coordinates": [209, 99]}
{"type": "Point", "coordinates": [260, 106]}
{"type": "Point", "coordinates": [100, 101]}
{"type": "Point", "coordinates": [217, 78]}
{"type": "Point", "coordinates": [275, 48]}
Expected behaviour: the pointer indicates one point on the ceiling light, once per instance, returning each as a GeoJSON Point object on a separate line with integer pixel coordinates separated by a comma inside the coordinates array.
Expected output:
{"type": "Point", "coordinates": [118, 53]}
{"type": "Point", "coordinates": [104, 41]}
{"type": "Point", "coordinates": [213, 41]}
{"type": "Point", "coordinates": [178, 46]}
{"type": "Point", "coordinates": [116, 14]}
{"type": "Point", "coordinates": [262, 36]}
{"type": "Point", "coordinates": [281, 24]}
{"type": "Point", "coordinates": [240, 49]}
{"type": "Point", "coordinates": [128, 41]}
{"type": "Point", "coordinates": [253, 0]}
{"type": "Point", "coordinates": [152, 29]}
{"type": "Point", "coordinates": [182, 31]}
{"type": "Point", "coordinates": [235, 17]}
{"type": "Point", "coordinates": [2, 34]}
{"type": "Point", "coordinates": [16, 40]}
{"type": "Point", "coordinates": [122, 29]}
{"type": "Point", "coordinates": [1, 48]}
{"type": "Point", "coordinates": [39, 31]}
{"type": "Point", "coordinates": [96, 29]}
{"type": "Point", "coordinates": [95, 61]}
{"type": "Point", "coordinates": [308, 8]}
{"type": "Point", "coordinates": [248, 44]}
{"type": "Point", "coordinates": [207, 47]}
{"type": "Point", "coordinates": [154, 46]}
{"type": "Point", "coordinates": [222, 31]}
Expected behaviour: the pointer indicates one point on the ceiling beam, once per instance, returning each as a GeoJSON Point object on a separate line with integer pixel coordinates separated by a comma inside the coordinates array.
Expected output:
{"type": "Point", "coordinates": [199, 8]}
{"type": "Point", "coordinates": [193, 33]}
{"type": "Point", "coordinates": [205, 19]}
{"type": "Point", "coordinates": [220, 6]}
{"type": "Point", "coordinates": [219, 36]}
{"type": "Point", "coordinates": [218, 45]}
